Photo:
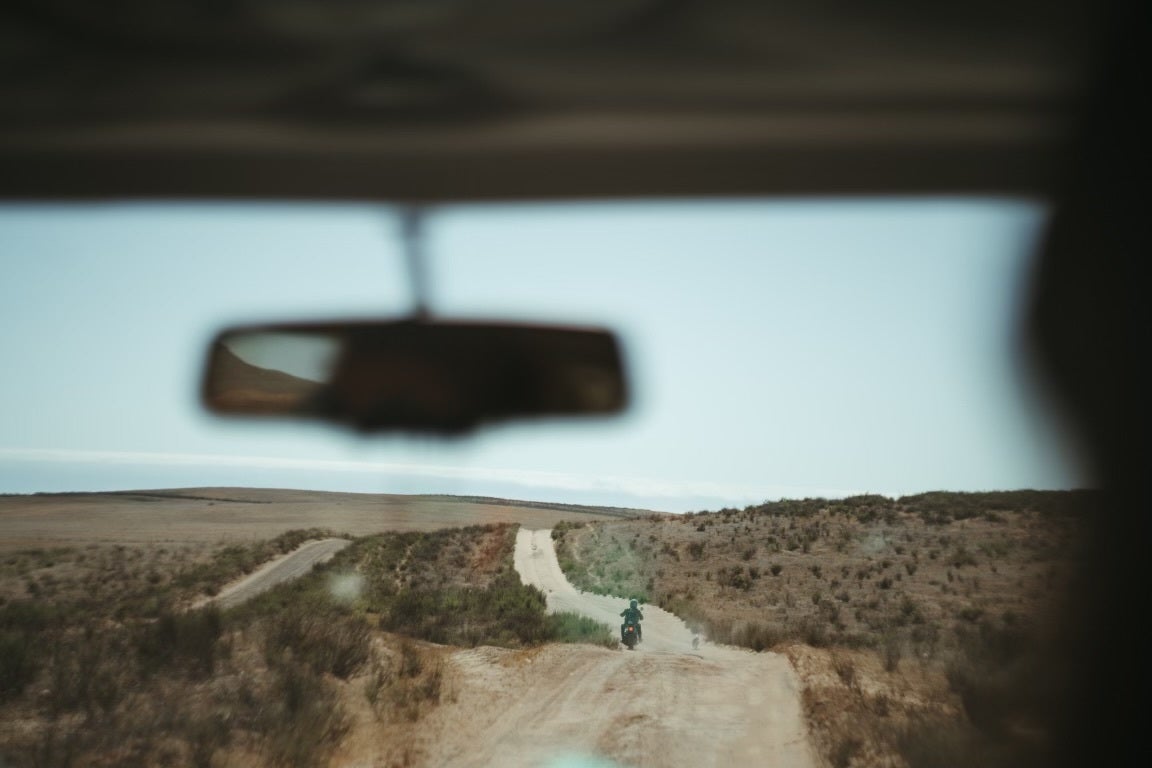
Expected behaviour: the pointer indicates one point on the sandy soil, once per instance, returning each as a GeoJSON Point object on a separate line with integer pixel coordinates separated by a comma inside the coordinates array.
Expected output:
{"type": "Point", "coordinates": [666, 704]}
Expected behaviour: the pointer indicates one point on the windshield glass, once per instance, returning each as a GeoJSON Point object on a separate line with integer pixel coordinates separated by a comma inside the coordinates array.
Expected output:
{"type": "Point", "coordinates": [819, 481]}
{"type": "Point", "coordinates": [776, 348]}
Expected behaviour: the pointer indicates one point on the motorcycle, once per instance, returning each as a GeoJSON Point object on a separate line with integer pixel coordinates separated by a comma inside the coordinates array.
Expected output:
{"type": "Point", "coordinates": [630, 635]}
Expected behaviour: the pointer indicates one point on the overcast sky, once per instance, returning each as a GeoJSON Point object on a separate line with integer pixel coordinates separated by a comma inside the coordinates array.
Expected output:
{"type": "Point", "coordinates": [777, 348]}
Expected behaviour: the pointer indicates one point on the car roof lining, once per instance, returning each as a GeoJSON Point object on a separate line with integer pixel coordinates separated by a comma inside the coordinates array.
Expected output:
{"type": "Point", "coordinates": [498, 100]}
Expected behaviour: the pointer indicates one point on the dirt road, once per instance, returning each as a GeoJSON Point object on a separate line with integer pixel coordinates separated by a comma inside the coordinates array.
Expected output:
{"type": "Point", "coordinates": [665, 704]}
{"type": "Point", "coordinates": [537, 565]}
{"type": "Point", "coordinates": [290, 566]}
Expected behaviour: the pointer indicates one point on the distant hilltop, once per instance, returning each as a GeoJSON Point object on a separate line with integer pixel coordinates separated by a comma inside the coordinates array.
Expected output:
{"type": "Point", "coordinates": [243, 495]}
{"type": "Point", "coordinates": [599, 510]}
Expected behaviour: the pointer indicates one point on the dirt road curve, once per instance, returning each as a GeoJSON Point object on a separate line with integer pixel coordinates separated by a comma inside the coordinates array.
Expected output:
{"type": "Point", "coordinates": [537, 565]}
{"type": "Point", "coordinates": [665, 704]}
{"type": "Point", "coordinates": [292, 565]}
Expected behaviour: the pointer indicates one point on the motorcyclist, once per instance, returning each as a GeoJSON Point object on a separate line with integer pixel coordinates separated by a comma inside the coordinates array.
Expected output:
{"type": "Point", "coordinates": [632, 613]}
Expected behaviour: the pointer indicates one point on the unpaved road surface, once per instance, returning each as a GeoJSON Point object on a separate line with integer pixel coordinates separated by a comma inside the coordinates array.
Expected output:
{"type": "Point", "coordinates": [290, 566]}
{"type": "Point", "coordinates": [665, 704]}
{"type": "Point", "coordinates": [537, 565]}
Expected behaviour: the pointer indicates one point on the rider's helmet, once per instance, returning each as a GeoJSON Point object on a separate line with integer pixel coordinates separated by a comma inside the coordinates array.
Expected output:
{"type": "Point", "coordinates": [633, 602]}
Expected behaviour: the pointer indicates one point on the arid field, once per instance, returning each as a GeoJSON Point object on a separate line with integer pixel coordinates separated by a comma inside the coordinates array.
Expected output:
{"type": "Point", "coordinates": [920, 631]}
{"type": "Point", "coordinates": [214, 515]}
{"type": "Point", "coordinates": [926, 629]}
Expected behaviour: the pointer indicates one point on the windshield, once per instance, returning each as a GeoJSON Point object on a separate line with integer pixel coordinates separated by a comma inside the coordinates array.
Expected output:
{"type": "Point", "coordinates": [776, 349]}
{"type": "Point", "coordinates": [837, 472]}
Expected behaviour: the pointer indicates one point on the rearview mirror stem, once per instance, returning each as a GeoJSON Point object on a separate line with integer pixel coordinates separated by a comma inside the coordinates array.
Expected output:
{"type": "Point", "coordinates": [412, 229]}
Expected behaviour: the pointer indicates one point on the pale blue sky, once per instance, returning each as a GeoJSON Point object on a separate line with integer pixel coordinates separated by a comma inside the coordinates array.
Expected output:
{"type": "Point", "coordinates": [778, 348]}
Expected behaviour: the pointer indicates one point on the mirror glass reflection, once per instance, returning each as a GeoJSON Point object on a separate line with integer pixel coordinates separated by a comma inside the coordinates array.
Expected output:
{"type": "Point", "coordinates": [415, 375]}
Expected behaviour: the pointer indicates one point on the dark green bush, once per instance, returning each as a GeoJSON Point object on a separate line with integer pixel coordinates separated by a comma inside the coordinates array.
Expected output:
{"type": "Point", "coordinates": [19, 663]}
{"type": "Point", "coordinates": [181, 640]}
{"type": "Point", "coordinates": [325, 640]}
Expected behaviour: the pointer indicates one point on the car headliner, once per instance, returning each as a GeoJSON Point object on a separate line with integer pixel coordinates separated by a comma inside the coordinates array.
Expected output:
{"type": "Point", "coordinates": [509, 99]}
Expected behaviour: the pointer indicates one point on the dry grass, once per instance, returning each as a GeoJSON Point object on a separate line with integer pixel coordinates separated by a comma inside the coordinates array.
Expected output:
{"type": "Point", "coordinates": [102, 662]}
{"type": "Point", "coordinates": [921, 629]}
{"type": "Point", "coordinates": [217, 516]}
{"type": "Point", "coordinates": [927, 622]}
{"type": "Point", "coordinates": [106, 668]}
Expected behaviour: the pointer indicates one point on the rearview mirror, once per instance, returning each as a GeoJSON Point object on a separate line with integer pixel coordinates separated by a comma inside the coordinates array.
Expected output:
{"type": "Point", "coordinates": [414, 375]}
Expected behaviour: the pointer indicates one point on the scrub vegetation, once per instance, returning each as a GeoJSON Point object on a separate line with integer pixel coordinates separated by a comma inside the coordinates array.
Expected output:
{"type": "Point", "coordinates": [925, 628]}
{"type": "Point", "coordinates": [103, 659]}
